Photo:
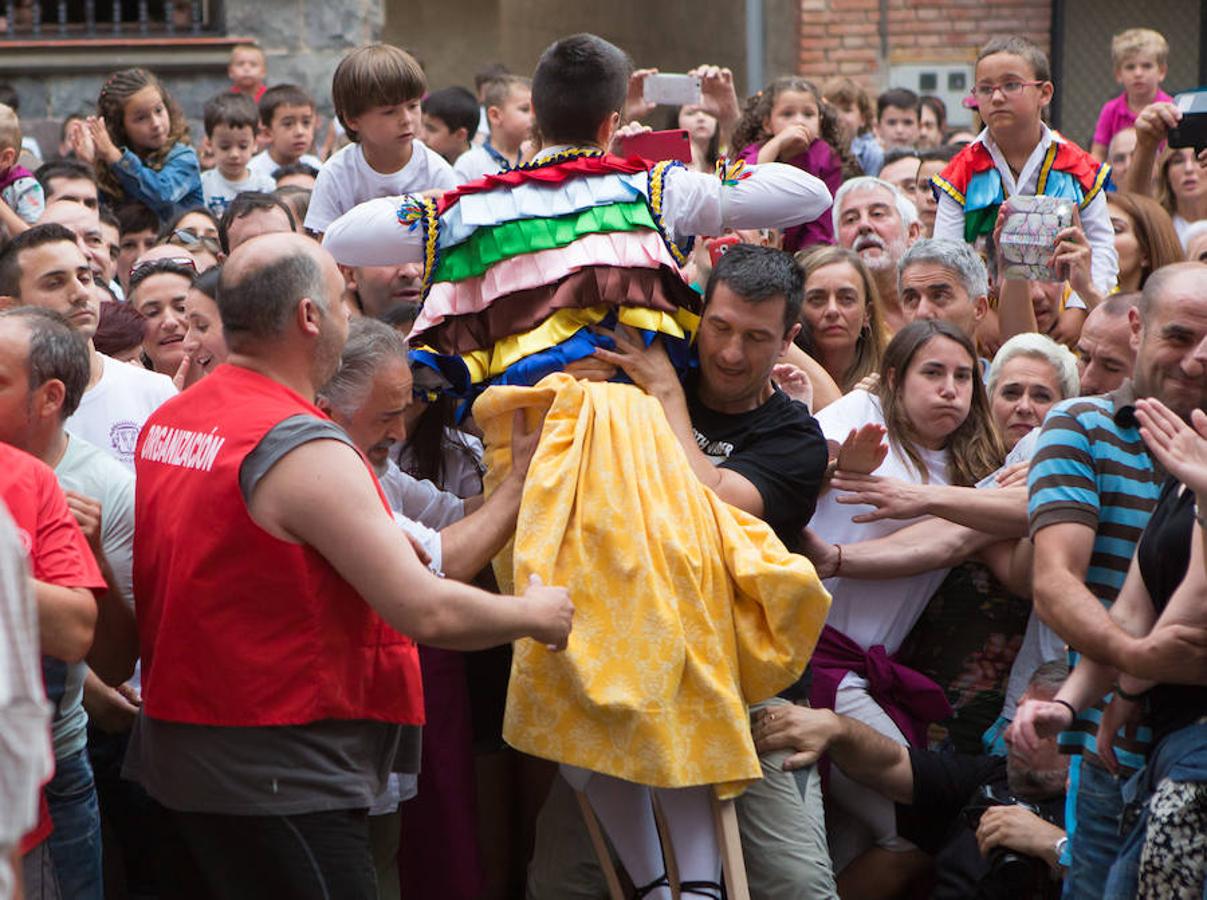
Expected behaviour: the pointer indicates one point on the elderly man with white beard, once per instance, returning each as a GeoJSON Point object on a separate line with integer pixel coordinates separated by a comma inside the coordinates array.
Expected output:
{"type": "Point", "coordinates": [877, 221]}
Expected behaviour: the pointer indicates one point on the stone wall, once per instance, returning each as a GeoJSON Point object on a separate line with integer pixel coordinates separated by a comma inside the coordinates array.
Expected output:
{"type": "Point", "coordinates": [304, 40]}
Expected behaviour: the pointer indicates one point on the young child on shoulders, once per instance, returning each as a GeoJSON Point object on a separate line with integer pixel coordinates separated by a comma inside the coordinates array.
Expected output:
{"type": "Point", "coordinates": [21, 197]}
{"type": "Point", "coordinates": [287, 121]}
{"type": "Point", "coordinates": [139, 142]}
{"type": "Point", "coordinates": [855, 114]}
{"type": "Point", "coordinates": [789, 122]}
{"type": "Point", "coordinates": [1018, 154]}
{"type": "Point", "coordinates": [508, 103]}
{"type": "Point", "coordinates": [1139, 56]}
{"type": "Point", "coordinates": [377, 91]}
{"type": "Point", "coordinates": [450, 121]}
{"type": "Point", "coordinates": [230, 128]}
{"type": "Point", "coordinates": [247, 70]}
{"type": "Point", "coordinates": [898, 118]}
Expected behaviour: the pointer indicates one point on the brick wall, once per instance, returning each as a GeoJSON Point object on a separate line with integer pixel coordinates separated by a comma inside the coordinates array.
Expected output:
{"type": "Point", "coordinates": [842, 37]}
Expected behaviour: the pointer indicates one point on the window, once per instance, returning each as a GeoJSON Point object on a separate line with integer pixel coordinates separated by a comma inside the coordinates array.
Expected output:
{"type": "Point", "coordinates": [67, 19]}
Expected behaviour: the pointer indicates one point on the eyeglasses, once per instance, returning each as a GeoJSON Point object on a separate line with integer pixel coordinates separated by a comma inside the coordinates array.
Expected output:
{"type": "Point", "coordinates": [164, 263]}
{"type": "Point", "coordinates": [183, 237]}
{"type": "Point", "coordinates": [985, 92]}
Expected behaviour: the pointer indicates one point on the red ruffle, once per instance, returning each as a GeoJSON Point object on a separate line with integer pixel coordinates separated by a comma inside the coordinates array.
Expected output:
{"type": "Point", "coordinates": [551, 174]}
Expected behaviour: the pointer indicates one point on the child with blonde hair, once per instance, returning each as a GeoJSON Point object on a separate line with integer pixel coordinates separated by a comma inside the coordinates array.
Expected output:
{"type": "Point", "coordinates": [1139, 56]}
{"type": "Point", "coordinates": [21, 198]}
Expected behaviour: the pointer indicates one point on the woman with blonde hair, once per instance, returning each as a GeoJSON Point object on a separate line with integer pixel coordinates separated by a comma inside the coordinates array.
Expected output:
{"type": "Point", "coordinates": [843, 323]}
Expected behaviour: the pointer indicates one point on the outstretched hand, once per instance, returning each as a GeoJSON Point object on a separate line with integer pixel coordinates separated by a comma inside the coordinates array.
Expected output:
{"type": "Point", "coordinates": [649, 367]}
{"type": "Point", "coordinates": [893, 499]}
{"type": "Point", "coordinates": [863, 450]}
{"type": "Point", "coordinates": [1035, 720]}
{"type": "Point", "coordinates": [524, 442]}
{"type": "Point", "coordinates": [1180, 449]}
{"type": "Point", "coordinates": [793, 382]}
{"type": "Point", "coordinates": [553, 613]}
{"type": "Point", "coordinates": [806, 733]}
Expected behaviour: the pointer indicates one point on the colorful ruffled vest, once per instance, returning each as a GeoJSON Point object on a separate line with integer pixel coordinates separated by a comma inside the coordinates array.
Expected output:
{"type": "Point", "coordinates": [973, 181]}
{"type": "Point", "coordinates": [520, 267]}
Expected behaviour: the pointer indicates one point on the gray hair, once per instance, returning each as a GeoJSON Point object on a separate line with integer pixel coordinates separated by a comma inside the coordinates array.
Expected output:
{"type": "Point", "coordinates": [56, 351]}
{"type": "Point", "coordinates": [905, 206]}
{"type": "Point", "coordinates": [257, 306]}
{"type": "Point", "coordinates": [1049, 677]}
{"type": "Point", "coordinates": [370, 344]}
{"type": "Point", "coordinates": [955, 256]}
{"type": "Point", "coordinates": [1038, 346]}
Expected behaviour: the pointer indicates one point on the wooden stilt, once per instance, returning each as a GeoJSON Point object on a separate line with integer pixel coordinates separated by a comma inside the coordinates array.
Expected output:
{"type": "Point", "coordinates": [602, 852]}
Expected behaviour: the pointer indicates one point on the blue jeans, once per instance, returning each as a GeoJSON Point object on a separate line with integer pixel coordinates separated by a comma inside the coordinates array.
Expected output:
{"type": "Point", "coordinates": [75, 844]}
{"type": "Point", "coordinates": [1179, 757]}
{"type": "Point", "coordinates": [1095, 842]}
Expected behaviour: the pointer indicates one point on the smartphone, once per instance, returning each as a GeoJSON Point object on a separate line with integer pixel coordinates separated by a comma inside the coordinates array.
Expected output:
{"type": "Point", "coordinates": [658, 145]}
{"type": "Point", "coordinates": [1192, 130]}
{"type": "Point", "coordinates": [671, 90]}
{"type": "Point", "coordinates": [718, 247]}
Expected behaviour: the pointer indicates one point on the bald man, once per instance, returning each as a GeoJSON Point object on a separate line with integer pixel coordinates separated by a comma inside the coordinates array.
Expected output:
{"type": "Point", "coordinates": [277, 601]}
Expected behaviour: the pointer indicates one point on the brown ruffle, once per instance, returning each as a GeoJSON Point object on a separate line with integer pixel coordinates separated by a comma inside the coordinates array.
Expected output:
{"type": "Point", "coordinates": [661, 288]}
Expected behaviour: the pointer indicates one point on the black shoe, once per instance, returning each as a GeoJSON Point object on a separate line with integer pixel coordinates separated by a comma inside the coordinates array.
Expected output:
{"type": "Point", "coordinates": [642, 891]}
{"type": "Point", "coordinates": [709, 889]}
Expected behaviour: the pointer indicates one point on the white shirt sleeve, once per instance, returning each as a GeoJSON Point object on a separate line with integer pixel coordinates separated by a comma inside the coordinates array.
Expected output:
{"type": "Point", "coordinates": [370, 234]}
{"type": "Point", "coordinates": [775, 195]}
{"type": "Point", "coordinates": [426, 538]}
{"type": "Point", "coordinates": [324, 201]}
{"type": "Point", "coordinates": [423, 502]}
{"type": "Point", "coordinates": [949, 219]}
{"type": "Point", "coordinates": [1096, 222]}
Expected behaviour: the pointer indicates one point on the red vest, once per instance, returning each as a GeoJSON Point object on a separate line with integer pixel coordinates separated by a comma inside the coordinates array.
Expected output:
{"type": "Point", "coordinates": [239, 628]}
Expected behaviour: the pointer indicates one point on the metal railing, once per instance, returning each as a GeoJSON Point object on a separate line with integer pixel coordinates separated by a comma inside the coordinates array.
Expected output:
{"type": "Point", "coordinates": [65, 19]}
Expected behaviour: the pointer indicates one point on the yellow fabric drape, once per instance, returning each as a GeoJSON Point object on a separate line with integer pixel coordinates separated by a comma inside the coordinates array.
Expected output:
{"type": "Point", "coordinates": [686, 609]}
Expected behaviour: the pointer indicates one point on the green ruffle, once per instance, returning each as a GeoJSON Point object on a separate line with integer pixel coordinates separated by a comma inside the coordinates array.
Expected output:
{"type": "Point", "coordinates": [980, 221]}
{"type": "Point", "coordinates": [487, 246]}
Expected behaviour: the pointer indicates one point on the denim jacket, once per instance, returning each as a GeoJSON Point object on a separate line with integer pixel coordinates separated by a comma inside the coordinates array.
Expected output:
{"type": "Point", "coordinates": [167, 191]}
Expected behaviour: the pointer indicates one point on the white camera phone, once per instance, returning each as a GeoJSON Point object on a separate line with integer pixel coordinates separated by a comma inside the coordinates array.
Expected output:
{"type": "Point", "coordinates": [671, 90]}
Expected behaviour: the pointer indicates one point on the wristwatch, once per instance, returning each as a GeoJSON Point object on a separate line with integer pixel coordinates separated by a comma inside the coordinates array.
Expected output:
{"type": "Point", "coordinates": [1059, 848]}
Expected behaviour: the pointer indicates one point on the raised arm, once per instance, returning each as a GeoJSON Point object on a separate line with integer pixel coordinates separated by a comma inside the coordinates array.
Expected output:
{"type": "Point", "coordinates": [373, 555]}
{"type": "Point", "coordinates": [772, 195]}
{"type": "Point", "coordinates": [370, 234]}
{"type": "Point", "coordinates": [1001, 512]}
{"type": "Point", "coordinates": [922, 547]}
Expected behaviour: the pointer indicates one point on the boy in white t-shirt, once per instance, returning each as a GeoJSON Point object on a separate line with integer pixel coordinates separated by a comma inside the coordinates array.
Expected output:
{"type": "Point", "coordinates": [287, 120]}
{"type": "Point", "coordinates": [377, 91]}
{"type": "Point", "coordinates": [230, 127]}
{"type": "Point", "coordinates": [509, 111]}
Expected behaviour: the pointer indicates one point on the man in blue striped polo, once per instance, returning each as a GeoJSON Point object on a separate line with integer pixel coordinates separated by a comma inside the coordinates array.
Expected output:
{"type": "Point", "coordinates": [1093, 486]}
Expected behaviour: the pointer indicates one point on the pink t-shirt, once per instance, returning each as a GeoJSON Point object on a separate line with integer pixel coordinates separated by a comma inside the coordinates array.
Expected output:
{"type": "Point", "coordinates": [1116, 116]}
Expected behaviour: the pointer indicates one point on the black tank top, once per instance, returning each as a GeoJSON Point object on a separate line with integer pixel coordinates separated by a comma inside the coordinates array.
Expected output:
{"type": "Point", "coordinates": [1163, 555]}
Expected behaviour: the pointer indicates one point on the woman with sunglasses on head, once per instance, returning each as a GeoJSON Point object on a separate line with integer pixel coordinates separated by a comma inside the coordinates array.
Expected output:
{"type": "Point", "coordinates": [196, 232]}
{"type": "Point", "coordinates": [204, 341]}
{"type": "Point", "coordinates": [158, 287]}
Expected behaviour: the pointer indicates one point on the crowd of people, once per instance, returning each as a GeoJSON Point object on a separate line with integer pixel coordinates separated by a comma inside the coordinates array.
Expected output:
{"type": "Point", "coordinates": [799, 496]}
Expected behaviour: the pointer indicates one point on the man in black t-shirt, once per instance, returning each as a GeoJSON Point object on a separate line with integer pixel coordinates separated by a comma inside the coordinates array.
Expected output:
{"type": "Point", "coordinates": [757, 449]}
